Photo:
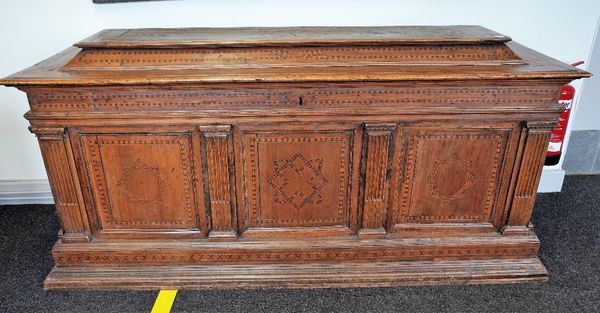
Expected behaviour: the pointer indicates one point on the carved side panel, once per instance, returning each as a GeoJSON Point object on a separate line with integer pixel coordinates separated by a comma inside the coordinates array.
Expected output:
{"type": "Point", "coordinates": [141, 183]}
{"type": "Point", "coordinates": [218, 150]}
{"type": "Point", "coordinates": [297, 179]}
{"type": "Point", "coordinates": [376, 185]}
{"type": "Point", "coordinates": [451, 176]}
{"type": "Point", "coordinates": [530, 170]}
{"type": "Point", "coordinates": [58, 160]}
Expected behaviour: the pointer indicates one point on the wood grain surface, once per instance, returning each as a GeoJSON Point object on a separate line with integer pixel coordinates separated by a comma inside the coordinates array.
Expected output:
{"type": "Point", "coordinates": [294, 157]}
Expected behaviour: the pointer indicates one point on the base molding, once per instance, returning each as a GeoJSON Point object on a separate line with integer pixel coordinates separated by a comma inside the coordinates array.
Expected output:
{"type": "Point", "coordinates": [311, 275]}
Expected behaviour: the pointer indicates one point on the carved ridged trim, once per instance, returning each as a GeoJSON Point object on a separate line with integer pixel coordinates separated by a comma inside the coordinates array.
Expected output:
{"type": "Point", "coordinates": [94, 166]}
{"type": "Point", "coordinates": [293, 56]}
{"type": "Point", "coordinates": [189, 99]}
{"type": "Point", "coordinates": [530, 171]}
{"type": "Point", "coordinates": [217, 141]}
{"type": "Point", "coordinates": [225, 256]}
{"type": "Point", "coordinates": [526, 186]}
{"type": "Point", "coordinates": [378, 140]}
{"type": "Point", "coordinates": [410, 169]}
{"type": "Point", "coordinates": [54, 152]}
{"type": "Point", "coordinates": [254, 141]}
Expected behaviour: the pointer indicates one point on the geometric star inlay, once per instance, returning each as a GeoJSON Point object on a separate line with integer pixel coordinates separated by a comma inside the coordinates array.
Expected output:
{"type": "Point", "coordinates": [142, 183]}
{"type": "Point", "coordinates": [450, 178]}
{"type": "Point", "coordinates": [297, 181]}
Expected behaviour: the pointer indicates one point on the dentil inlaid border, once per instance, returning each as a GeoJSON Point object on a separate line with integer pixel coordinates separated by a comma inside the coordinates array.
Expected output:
{"type": "Point", "coordinates": [291, 56]}
{"type": "Point", "coordinates": [225, 256]}
{"type": "Point", "coordinates": [149, 99]}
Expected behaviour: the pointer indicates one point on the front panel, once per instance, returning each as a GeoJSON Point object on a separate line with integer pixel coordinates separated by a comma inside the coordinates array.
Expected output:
{"type": "Point", "coordinates": [141, 183]}
{"type": "Point", "coordinates": [297, 179]}
{"type": "Point", "coordinates": [450, 177]}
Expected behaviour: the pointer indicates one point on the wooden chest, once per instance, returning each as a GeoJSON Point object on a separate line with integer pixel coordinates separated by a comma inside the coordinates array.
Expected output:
{"type": "Point", "coordinates": [294, 157]}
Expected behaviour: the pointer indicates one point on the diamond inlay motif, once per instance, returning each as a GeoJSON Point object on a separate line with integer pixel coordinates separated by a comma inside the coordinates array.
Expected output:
{"type": "Point", "coordinates": [443, 173]}
{"type": "Point", "coordinates": [142, 183]}
{"type": "Point", "coordinates": [298, 181]}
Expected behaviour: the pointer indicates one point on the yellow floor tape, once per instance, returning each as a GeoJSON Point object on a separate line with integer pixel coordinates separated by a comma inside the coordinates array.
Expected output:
{"type": "Point", "coordinates": [164, 301]}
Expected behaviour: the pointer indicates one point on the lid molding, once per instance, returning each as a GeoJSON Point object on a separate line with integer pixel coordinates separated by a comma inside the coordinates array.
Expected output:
{"type": "Point", "coordinates": [343, 54]}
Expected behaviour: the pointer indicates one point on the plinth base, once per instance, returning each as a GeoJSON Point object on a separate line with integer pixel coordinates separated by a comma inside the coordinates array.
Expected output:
{"type": "Point", "coordinates": [316, 275]}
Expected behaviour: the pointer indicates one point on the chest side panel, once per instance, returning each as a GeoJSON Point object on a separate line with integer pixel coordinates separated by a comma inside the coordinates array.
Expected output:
{"type": "Point", "coordinates": [452, 176]}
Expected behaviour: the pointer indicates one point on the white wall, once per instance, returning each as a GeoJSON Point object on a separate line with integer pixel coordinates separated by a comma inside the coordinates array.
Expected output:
{"type": "Point", "coordinates": [587, 116]}
{"type": "Point", "coordinates": [31, 30]}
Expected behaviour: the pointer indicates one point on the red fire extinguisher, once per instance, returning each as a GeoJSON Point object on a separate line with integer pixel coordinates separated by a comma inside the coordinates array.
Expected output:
{"type": "Point", "coordinates": [557, 136]}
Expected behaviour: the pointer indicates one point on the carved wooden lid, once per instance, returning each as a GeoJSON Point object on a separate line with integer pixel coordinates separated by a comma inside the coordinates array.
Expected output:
{"type": "Point", "coordinates": [287, 36]}
{"type": "Point", "coordinates": [207, 55]}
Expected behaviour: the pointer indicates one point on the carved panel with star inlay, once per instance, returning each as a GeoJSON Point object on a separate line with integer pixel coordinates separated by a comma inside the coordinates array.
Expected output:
{"type": "Point", "coordinates": [297, 179]}
{"type": "Point", "coordinates": [141, 182]}
{"type": "Point", "coordinates": [451, 176]}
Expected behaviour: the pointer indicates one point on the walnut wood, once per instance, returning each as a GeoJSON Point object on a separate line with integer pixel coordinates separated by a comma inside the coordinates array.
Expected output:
{"type": "Point", "coordinates": [288, 36]}
{"type": "Point", "coordinates": [377, 274]}
{"type": "Point", "coordinates": [534, 153]}
{"type": "Point", "coordinates": [58, 159]}
{"type": "Point", "coordinates": [294, 157]}
{"type": "Point", "coordinates": [218, 149]}
{"type": "Point", "coordinates": [376, 185]}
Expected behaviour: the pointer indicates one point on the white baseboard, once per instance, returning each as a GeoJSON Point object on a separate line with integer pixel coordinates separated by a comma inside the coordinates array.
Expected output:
{"type": "Point", "coordinates": [30, 191]}
{"type": "Point", "coordinates": [552, 180]}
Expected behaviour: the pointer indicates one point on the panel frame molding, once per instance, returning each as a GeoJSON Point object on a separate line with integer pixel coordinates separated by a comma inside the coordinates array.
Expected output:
{"type": "Point", "coordinates": [248, 131]}
{"type": "Point", "coordinates": [196, 201]}
{"type": "Point", "coordinates": [497, 190]}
